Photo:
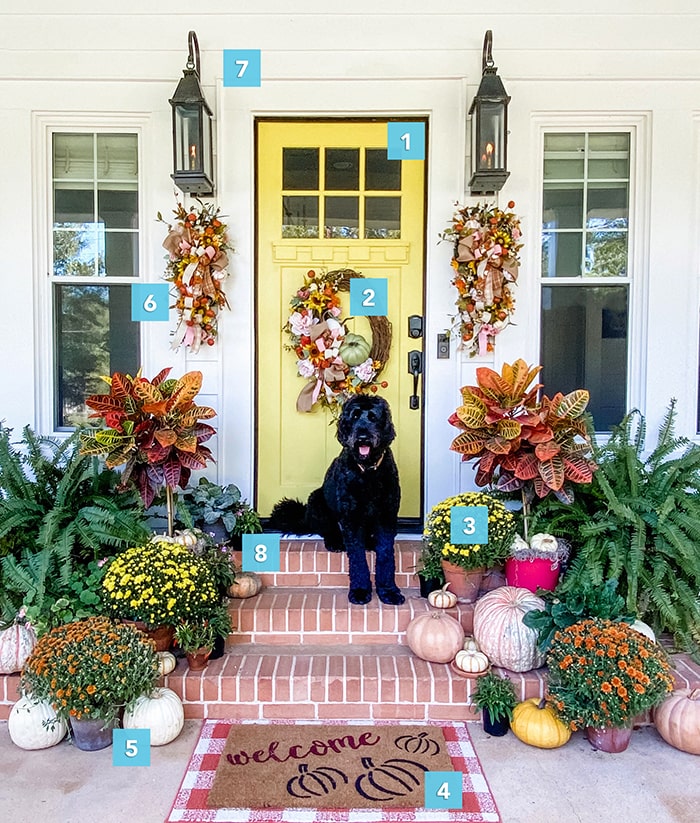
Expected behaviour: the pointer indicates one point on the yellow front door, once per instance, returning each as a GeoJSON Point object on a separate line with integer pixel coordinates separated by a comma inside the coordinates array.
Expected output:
{"type": "Point", "coordinates": [328, 199]}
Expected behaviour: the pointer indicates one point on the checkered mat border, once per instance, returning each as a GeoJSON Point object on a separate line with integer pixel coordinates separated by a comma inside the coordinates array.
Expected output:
{"type": "Point", "coordinates": [478, 805]}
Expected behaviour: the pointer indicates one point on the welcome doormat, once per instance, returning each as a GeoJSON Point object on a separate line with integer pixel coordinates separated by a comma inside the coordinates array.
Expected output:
{"type": "Point", "coordinates": [192, 800]}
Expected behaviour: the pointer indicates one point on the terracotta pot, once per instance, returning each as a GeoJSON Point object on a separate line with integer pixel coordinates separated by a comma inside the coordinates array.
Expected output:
{"type": "Point", "coordinates": [465, 583]}
{"type": "Point", "coordinates": [91, 735]}
{"type": "Point", "coordinates": [613, 740]}
{"type": "Point", "coordinates": [162, 636]}
{"type": "Point", "coordinates": [198, 660]}
{"type": "Point", "coordinates": [532, 574]}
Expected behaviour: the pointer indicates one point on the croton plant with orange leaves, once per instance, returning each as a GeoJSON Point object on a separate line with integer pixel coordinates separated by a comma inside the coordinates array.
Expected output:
{"type": "Point", "coordinates": [153, 429]}
{"type": "Point", "coordinates": [521, 441]}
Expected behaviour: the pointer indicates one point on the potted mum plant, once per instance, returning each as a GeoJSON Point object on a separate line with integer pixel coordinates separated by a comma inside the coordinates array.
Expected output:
{"type": "Point", "coordinates": [522, 442]}
{"type": "Point", "coordinates": [464, 564]}
{"type": "Point", "coordinates": [87, 671]}
{"type": "Point", "coordinates": [154, 429]}
{"type": "Point", "coordinates": [604, 674]}
{"type": "Point", "coordinates": [157, 585]}
{"type": "Point", "coordinates": [495, 696]}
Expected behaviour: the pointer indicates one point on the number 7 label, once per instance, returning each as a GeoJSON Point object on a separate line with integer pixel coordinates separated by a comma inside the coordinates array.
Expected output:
{"type": "Point", "coordinates": [242, 67]}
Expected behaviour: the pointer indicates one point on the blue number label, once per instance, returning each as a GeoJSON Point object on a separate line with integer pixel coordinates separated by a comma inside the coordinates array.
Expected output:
{"type": "Point", "coordinates": [469, 524]}
{"type": "Point", "coordinates": [149, 301]}
{"type": "Point", "coordinates": [369, 296]}
{"type": "Point", "coordinates": [261, 553]}
{"type": "Point", "coordinates": [131, 747]}
{"type": "Point", "coordinates": [443, 790]}
{"type": "Point", "coordinates": [242, 67]}
{"type": "Point", "coordinates": [406, 141]}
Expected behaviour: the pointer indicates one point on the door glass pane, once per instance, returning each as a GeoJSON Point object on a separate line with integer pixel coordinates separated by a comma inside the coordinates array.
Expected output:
{"type": "Point", "coordinates": [299, 216]}
{"type": "Point", "coordinates": [342, 169]}
{"type": "Point", "coordinates": [342, 217]}
{"type": "Point", "coordinates": [383, 217]}
{"type": "Point", "coordinates": [381, 174]}
{"type": "Point", "coordinates": [584, 345]}
{"type": "Point", "coordinates": [562, 205]}
{"type": "Point", "coordinates": [300, 169]}
{"type": "Point", "coordinates": [561, 254]}
{"type": "Point", "coordinates": [94, 335]}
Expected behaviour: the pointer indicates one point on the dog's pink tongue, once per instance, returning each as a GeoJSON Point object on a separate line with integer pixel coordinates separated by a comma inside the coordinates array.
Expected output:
{"type": "Point", "coordinates": [364, 451]}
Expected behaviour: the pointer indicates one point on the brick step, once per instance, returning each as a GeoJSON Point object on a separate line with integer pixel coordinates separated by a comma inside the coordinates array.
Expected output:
{"type": "Point", "coordinates": [308, 564]}
{"type": "Point", "coordinates": [285, 615]}
{"type": "Point", "coordinates": [255, 681]}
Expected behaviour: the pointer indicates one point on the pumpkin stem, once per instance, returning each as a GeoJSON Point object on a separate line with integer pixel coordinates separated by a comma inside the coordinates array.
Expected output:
{"type": "Point", "coordinates": [694, 695]}
{"type": "Point", "coordinates": [444, 588]}
{"type": "Point", "coordinates": [542, 703]}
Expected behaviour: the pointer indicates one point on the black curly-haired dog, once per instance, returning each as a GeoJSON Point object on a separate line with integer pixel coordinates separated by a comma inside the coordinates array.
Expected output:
{"type": "Point", "coordinates": [357, 506]}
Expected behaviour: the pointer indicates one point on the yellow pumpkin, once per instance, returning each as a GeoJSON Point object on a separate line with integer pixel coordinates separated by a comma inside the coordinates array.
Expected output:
{"type": "Point", "coordinates": [442, 599]}
{"type": "Point", "coordinates": [537, 724]}
{"type": "Point", "coordinates": [246, 584]}
{"type": "Point", "coordinates": [471, 661]}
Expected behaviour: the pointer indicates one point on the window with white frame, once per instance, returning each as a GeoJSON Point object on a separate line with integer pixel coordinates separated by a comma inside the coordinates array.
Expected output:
{"type": "Point", "coordinates": [95, 258]}
{"type": "Point", "coordinates": [585, 268]}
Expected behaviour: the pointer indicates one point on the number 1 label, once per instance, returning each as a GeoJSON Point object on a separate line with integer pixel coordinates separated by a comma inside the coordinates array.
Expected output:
{"type": "Point", "coordinates": [406, 141]}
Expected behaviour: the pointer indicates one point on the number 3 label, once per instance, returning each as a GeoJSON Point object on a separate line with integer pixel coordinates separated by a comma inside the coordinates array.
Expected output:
{"type": "Point", "coordinates": [469, 524]}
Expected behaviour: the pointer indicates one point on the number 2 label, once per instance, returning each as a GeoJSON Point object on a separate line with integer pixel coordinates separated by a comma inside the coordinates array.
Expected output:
{"type": "Point", "coordinates": [368, 298]}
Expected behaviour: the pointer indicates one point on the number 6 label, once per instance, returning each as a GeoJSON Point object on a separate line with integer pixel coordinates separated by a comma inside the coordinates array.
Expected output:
{"type": "Point", "coordinates": [261, 553]}
{"type": "Point", "coordinates": [149, 301]}
{"type": "Point", "coordinates": [368, 296]}
{"type": "Point", "coordinates": [469, 524]}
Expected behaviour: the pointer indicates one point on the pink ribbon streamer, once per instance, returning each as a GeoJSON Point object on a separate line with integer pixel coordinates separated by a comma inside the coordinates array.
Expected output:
{"type": "Point", "coordinates": [486, 331]}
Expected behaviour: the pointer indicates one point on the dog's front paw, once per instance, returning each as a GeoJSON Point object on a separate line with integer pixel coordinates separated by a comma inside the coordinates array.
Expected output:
{"type": "Point", "coordinates": [392, 597]}
{"type": "Point", "coordinates": [360, 596]}
{"type": "Point", "coordinates": [334, 547]}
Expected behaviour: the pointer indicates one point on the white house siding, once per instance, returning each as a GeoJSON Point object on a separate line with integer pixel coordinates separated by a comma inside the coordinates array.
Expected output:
{"type": "Point", "coordinates": [88, 62]}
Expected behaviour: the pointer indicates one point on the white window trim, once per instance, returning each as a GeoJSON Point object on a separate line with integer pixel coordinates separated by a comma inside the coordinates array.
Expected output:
{"type": "Point", "coordinates": [44, 125]}
{"type": "Point", "coordinates": [638, 124]}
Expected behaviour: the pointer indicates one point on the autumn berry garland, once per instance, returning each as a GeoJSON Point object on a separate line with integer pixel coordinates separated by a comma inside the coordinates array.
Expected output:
{"type": "Point", "coordinates": [197, 262]}
{"type": "Point", "coordinates": [485, 263]}
{"type": "Point", "coordinates": [336, 362]}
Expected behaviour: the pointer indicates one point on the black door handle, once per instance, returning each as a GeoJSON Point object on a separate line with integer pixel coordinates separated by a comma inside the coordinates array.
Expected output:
{"type": "Point", "coordinates": [415, 367]}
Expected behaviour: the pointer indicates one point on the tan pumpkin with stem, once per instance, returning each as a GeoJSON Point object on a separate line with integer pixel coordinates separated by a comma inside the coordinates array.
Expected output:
{"type": "Point", "coordinates": [435, 636]}
{"type": "Point", "coordinates": [500, 632]}
{"type": "Point", "coordinates": [246, 584]}
{"type": "Point", "coordinates": [442, 599]}
{"type": "Point", "coordinates": [677, 720]}
{"type": "Point", "coordinates": [537, 724]}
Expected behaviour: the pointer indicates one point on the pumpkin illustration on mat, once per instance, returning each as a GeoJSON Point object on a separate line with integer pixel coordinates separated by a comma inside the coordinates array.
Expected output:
{"type": "Point", "coordinates": [417, 744]}
{"type": "Point", "coordinates": [315, 783]}
{"type": "Point", "coordinates": [396, 777]}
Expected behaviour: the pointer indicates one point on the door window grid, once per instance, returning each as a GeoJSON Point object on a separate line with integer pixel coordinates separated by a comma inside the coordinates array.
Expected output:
{"type": "Point", "coordinates": [342, 214]}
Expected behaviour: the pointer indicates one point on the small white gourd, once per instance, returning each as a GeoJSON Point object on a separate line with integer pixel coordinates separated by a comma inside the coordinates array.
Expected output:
{"type": "Point", "coordinates": [470, 645]}
{"type": "Point", "coordinates": [442, 599]}
{"type": "Point", "coordinates": [26, 725]}
{"type": "Point", "coordinates": [471, 661]}
{"type": "Point", "coordinates": [166, 662]}
{"type": "Point", "coordinates": [161, 712]}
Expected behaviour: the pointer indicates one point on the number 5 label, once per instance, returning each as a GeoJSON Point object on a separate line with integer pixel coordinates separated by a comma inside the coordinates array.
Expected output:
{"type": "Point", "coordinates": [406, 141]}
{"type": "Point", "coordinates": [369, 296]}
{"type": "Point", "coordinates": [131, 747]}
{"type": "Point", "coordinates": [261, 553]}
{"type": "Point", "coordinates": [242, 67]}
{"type": "Point", "coordinates": [469, 524]}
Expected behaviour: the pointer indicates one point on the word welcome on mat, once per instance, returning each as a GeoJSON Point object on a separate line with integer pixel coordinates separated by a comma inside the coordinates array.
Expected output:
{"type": "Point", "coordinates": [334, 772]}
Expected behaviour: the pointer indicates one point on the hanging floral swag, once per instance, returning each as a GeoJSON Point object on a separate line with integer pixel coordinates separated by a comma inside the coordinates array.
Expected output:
{"type": "Point", "coordinates": [485, 263]}
{"type": "Point", "coordinates": [197, 262]}
{"type": "Point", "coordinates": [336, 362]}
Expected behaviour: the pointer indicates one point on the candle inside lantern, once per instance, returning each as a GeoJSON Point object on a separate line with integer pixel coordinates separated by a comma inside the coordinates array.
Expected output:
{"type": "Point", "coordinates": [489, 155]}
{"type": "Point", "coordinates": [193, 157]}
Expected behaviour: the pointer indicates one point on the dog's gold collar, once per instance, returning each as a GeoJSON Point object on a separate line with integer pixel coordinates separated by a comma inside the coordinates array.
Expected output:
{"type": "Point", "coordinates": [371, 468]}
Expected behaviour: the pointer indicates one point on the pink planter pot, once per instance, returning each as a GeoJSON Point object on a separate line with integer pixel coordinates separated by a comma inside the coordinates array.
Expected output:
{"type": "Point", "coordinates": [532, 574]}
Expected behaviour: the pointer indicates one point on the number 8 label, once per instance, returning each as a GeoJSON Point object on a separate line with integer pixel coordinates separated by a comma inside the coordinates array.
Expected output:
{"type": "Point", "coordinates": [261, 553]}
{"type": "Point", "coordinates": [469, 524]}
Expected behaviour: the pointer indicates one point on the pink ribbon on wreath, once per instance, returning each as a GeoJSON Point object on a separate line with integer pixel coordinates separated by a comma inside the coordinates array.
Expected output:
{"type": "Point", "coordinates": [486, 331]}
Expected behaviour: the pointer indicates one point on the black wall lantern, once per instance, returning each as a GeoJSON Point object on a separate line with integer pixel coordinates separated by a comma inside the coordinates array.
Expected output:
{"type": "Point", "coordinates": [489, 128]}
{"type": "Point", "coordinates": [192, 128]}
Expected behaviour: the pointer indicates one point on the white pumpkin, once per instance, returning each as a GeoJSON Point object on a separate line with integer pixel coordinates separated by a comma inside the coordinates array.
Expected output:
{"type": "Point", "coordinates": [442, 599]}
{"type": "Point", "coordinates": [470, 645]}
{"type": "Point", "coordinates": [544, 543]}
{"type": "Point", "coordinates": [16, 644]}
{"type": "Point", "coordinates": [161, 712]}
{"type": "Point", "coordinates": [166, 662]}
{"type": "Point", "coordinates": [26, 725]}
{"type": "Point", "coordinates": [471, 661]}
{"type": "Point", "coordinates": [645, 629]}
{"type": "Point", "coordinates": [500, 632]}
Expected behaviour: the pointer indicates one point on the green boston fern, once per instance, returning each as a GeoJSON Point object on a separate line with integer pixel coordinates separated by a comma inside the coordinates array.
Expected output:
{"type": "Point", "coordinates": [645, 530]}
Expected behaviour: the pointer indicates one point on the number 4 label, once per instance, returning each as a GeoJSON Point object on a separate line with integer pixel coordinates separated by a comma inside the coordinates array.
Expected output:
{"type": "Point", "coordinates": [242, 67]}
{"type": "Point", "coordinates": [443, 790]}
{"type": "Point", "coordinates": [406, 141]}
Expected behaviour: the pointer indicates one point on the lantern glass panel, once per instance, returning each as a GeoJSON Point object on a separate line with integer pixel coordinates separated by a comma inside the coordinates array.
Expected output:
{"type": "Point", "coordinates": [490, 140]}
{"type": "Point", "coordinates": [188, 140]}
{"type": "Point", "coordinates": [206, 153]}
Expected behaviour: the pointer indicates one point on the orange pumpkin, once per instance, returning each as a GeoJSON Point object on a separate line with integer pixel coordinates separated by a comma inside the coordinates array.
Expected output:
{"type": "Point", "coordinates": [677, 720]}
{"type": "Point", "coordinates": [435, 636]}
{"type": "Point", "coordinates": [500, 632]}
{"type": "Point", "coordinates": [246, 584]}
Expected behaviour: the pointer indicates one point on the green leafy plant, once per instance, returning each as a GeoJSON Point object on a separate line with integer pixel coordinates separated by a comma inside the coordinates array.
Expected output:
{"type": "Point", "coordinates": [603, 674]}
{"type": "Point", "coordinates": [564, 608]}
{"type": "Point", "coordinates": [645, 528]}
{"type": "Point", "coordinates": [521, 442]}
{"type": "Point", "coordinates": [90, 668]}
{"type": "Point", "coordinates": [154, 430]}
{"type": "Point", "coordinates": [192, 635]}
{"type": "Point", "coordinates": [210, 503]}
{"type": "Point", "coordinates": [496, 695]}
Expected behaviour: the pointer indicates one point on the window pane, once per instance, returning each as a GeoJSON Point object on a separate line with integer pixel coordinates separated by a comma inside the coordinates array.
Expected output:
{"type": "Point", "coordinates": [299, 216]}
{"type": "Point", "coordinates": [561, 254]}
{"type": "Point", "coordinates": [300, 169]}
{"type": "Point", "coordinates": [342, 169]}
{"type": "Point", "coordinates": [609, 155]}
{"type": "Point", "coordinates": [607, 206]}
{"type": "Point", "coordinates": [73, 156]}
{"type": "Point", "coordinates": [606, 254]}
{"type": "Point", "coordinates": [73, 206]}
{"type": "Point", "coordinates": [120, 254]}
{"type": "Point", "coordinates": [562, 206]}
{"type": "Point", "coordinates": [94, 335]}
{"type": "Point", "coordinates": [117, 157]}
{"type": "Point", "coordinates": [342, 217]}
{"type": "Point", "coordinates": [76, 253]}
{"type": "Point", "coordinates": [118, 209]}
{"type": "Point", "coordinates": [381, 174]}
{"type": "Point", "coordinates": [564, 156]}
{"type": "Point", "coordinates": [383, 217]}
{"type": "Point", "coordinates": [584, 345]}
